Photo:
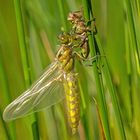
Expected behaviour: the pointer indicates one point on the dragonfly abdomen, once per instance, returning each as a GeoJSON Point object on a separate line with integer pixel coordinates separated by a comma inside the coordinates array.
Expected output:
{"type": "Point", "coordinates": [72, 101]}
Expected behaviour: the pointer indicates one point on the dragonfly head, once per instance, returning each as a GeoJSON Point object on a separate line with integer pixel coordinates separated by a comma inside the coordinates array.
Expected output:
{"type": "Point", "coordinates": [65, 38]}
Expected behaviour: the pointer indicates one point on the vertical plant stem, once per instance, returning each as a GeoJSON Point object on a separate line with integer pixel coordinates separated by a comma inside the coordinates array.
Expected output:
{"type": "Point", "coordinates": [131, 23]}
{"type": "Point", "coordinates": [22, 44]}
{"type": "Point", "coordinates": [5, 127]}
{"type": "Point", "coordinates": [35, 130]}
{"type": "Point", "coordinates": [100, 96]}
{"type": "Point", "coordinates": [62, 11]}
{"type": "Point", "coordinates": [112, 93]}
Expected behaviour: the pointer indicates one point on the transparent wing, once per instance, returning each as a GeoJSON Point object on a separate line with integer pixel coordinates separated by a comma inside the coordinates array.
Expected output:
{"type": "Point", "coordinates": [41, 94]}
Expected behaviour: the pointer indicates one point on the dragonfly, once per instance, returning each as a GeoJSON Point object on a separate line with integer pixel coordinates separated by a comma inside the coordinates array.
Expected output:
{"type": "Point", "coordinates": [60, 74]}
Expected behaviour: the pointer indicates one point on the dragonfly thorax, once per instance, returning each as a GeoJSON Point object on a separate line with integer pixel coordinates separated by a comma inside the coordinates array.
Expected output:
{"type": "Point", "coordinates": [66, 58]}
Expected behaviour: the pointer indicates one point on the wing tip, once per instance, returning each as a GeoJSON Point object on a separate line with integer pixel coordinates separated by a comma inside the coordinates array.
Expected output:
{"type": "Point", "coordinates": [7, 114]}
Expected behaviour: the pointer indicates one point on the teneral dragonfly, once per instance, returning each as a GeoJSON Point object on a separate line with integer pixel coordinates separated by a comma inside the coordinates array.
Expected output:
{"type": "Point", "coordinates": [60, 73]}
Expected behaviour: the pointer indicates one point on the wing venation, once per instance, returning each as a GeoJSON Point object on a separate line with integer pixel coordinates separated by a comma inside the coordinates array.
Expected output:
{"type": "Point", "coordinates": [44, 92]}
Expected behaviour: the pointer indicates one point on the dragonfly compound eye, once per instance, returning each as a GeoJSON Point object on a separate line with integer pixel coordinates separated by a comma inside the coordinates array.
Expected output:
{"type": "Point", "coordinates": [64, 38]}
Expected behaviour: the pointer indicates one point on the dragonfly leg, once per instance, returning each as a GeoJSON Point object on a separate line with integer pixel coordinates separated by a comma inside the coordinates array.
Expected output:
{"type": "Point", "coordinates": [90, 60]}
{"type": "Point", "coordinates": [79, 56]}
{"type": "Point", "coordinates": [99, 62]}
{"type": "Point", "coordinates": [59, 51]}
{"type": "Point", "coordinates": [94, 29]}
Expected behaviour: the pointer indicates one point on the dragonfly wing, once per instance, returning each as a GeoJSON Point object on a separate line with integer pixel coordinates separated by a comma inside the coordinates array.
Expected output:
{"type": "Point", "coordinates": [47, 100]}
{"type": "Point", "coordinates": [40, 95]}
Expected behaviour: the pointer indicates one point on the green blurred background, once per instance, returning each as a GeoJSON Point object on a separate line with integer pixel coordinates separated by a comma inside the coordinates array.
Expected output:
{"type": "Point", "coordinates": [28, 43]}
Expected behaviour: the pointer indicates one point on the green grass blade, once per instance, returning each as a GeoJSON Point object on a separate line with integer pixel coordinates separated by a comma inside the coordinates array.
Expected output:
{"type": "Point", "coordinates": [22, 44]}
{"type": "Point", "coordinates": [112, 92]}
{"type": "Point", "coordinates": [35, 131]}
{"type": "Point", "coordinates": [100, 96]}
{"type": "Point", "coordinates": [63, 13]}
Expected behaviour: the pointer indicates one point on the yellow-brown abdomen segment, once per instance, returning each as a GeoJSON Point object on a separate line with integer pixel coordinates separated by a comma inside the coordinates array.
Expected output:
{"type": "Point", "coordinates": [72, 100]}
